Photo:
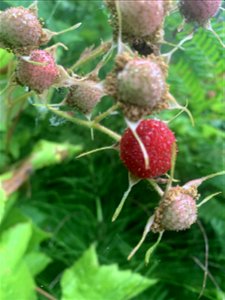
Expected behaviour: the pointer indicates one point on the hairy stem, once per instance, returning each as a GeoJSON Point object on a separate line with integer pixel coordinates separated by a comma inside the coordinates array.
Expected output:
{"type": "Point", "coordinates": [106, 113]}
{"type": "Point", "coordinates": [103, 48]}
{"type": "Point", "coordinates": [156, 187]}
{"type": "Point", "coordinates": [88, 124]}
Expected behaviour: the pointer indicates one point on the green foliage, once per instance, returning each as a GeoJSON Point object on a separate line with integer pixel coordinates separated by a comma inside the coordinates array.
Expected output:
{"type": "Point", "coordinates": [53, 219]}
{"type": "Point", "coordinates": [86, 279]}
{"type": "Point", "coordinates": [20, 257]}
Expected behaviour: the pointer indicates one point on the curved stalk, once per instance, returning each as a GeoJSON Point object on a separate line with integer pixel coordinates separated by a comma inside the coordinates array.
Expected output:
{"type": "Point", "coordinates": [88, 124]}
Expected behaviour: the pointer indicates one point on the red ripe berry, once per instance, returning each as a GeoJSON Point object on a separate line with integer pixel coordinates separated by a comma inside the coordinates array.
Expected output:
{"type": "Point", "coordinates": [37, 77]}
{"type": "Point", "coordinates": [199, 11]}
{"type": "Point", "coordinates": [158, 140]}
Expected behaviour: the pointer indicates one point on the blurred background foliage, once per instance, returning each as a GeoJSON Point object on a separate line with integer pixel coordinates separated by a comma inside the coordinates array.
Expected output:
{"type": "Point", "coordinates": [69, 207]}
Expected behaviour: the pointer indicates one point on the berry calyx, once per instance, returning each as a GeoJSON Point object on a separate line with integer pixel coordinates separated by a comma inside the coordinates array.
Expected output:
{"type": "Point", "coordinates": [139, 84]}
{"type": "Point", "coordinates": [20, 30]}
{"type": "Point", "coordinates": [158, 141]}
{"type": "Point", "coordinates": [37, 77]}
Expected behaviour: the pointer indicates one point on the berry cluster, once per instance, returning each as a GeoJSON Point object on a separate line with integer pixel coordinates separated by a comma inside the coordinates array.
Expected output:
{"type": "Point", "coordinates": [137, 83]}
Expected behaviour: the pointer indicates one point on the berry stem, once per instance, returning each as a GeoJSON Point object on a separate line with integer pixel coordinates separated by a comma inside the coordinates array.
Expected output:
{"type": "Point", "coordinates": [88, 124]}
{"type": "Point", "coordinates": [156, 187]}
{"type": "Point", "coordinates": [152, 248]}
{"type": "Point", "coordinates": [208, 198]}
{"type": "Point", "coordinates": [146, 231]}
{"type": "Point", "coordinates": [173, 104]}
{"type": "Point", "coordinates": [209, 28]}
{"type": "Point", "coordinates": [44, 293]}
{"type": "Point", "coordinates": [75, 26]}
{"type": "Point", "coordinates": [103, 48]}
{"type": "Point", "coordinates": [199, 181]}
{"type": "Point", "coordinates": [99, 210]}
{"type": "Point", "coordinates": [206, 241]}
{"type": "Point", "coordinates": [169, 54]}
{"type": "Point", "coordinates": [198, 262]}
{"type": "Point", "coordinates": [23, 97]}
{"type": "Point", "coordinates": [132, 181]}
{"type": "Point", "coordinates": [96, 150]}
{"type": "Point", "coordinates": [9, 85]}
{"type": "Point", "coordinates": [106, 130]}
{"type": "Point", "coordinates": [105, 114]}
{"type": "Point", "coordinates": [173, 163]}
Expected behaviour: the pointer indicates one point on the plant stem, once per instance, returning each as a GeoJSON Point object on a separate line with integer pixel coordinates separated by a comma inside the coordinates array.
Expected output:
{"type": "Point", "coordinates": [92, 55]}
{"type": "Point", "coordinates": [106, 113]}
{"type": "Point", "coordinates": [106, 130]}
{"type": "Point", "coordinates": [96, 150]}
{"type": "Point", "coordinates": [156, 187]}
{"type": "Point", "coordinates": [24, 97]}
{"type": "Point", "coordinates": [88, 124]}
{"type": "Point", "coordinates": [44, 293]}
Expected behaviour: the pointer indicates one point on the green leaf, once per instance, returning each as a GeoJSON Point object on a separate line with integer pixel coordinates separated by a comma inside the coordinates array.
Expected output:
{"type": "Point", "coordinates": [17, 284]}
{"type": "Point", "coordinates": [13, 245]}
{"type": "Point", "coordinates": [220, 295]}
{"type": "Point", "coordinates": [47, 153]}
{"type": "Point", "coordinates": [16, 280]}
{"type": "Point", "coordinates": [37, 262]}
{"type": "Point", "coordinates": [86, 279]}
{"type": "Point", "coordinates": [5, 58]}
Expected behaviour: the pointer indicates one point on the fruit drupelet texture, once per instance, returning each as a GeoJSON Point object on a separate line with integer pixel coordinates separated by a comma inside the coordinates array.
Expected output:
{"type": "Point", "coordinates": [142, 83]}
{"type": "Point", "coordinates": [152, 15]}
{"type": "Point", "coordinates": [19, 28]}
{"type": "Point", "coordinates": [84, 96]}
{"type": "Point", "coordinates": [180, 213]}
{"type": "Point", "coordinates": [177, 210]}
{"type": "Point", "coordinates": [37, 77]}
{"type": "Point", "coordinates": [158, 140]}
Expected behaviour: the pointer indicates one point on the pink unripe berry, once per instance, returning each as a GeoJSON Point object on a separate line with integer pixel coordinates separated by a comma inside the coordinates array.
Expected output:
{"type": "Point", "coordinates": [177, 210]}
{"type": "Point", "coordinates": [37, 77]}
{"type": "Point", "coordinates": [85, 95]}
{"type": "Point", "coordinates": [142, 82]}
{"type": "Point", "coordinates": [180, 214]}
{"type": "Point", "coordinates": [141, 18]}
{"type": "Point", "coordinates": [19, 29]}
{"type": "Point", "coordinates": [158, 140]}
{"type": "Point", "coordinates": [199, 11]}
